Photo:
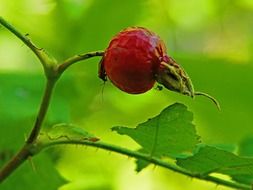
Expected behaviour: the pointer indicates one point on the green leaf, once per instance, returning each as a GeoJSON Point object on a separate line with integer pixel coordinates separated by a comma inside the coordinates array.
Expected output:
{"type": "Point", "coordinates": [69, 132]}
{"type": "Point", "coordinates": [210, 159]}
{"type": "Point", "coordinates": [171, 133]}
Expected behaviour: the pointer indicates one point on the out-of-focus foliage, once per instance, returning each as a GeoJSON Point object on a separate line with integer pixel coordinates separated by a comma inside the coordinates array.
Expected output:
{"type": "Point", "coordinates": [211, 39]}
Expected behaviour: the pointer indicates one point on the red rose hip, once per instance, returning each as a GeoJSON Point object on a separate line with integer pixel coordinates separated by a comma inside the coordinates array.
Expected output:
{"type": "Point", "coordinates": [132, 59]}
{"type": "Point", "coordinates": [136, 58]}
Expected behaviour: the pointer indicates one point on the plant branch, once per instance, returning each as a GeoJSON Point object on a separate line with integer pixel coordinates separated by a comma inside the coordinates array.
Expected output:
{"type": "Point", "coordinates": [47, 63]}
{"type": "Point", "coordinates": [52, 71]}
{"type": "Point", "coordinates": [42, 111]}
{"type": "Point", "coordinates": [68, 62]}
{"type": "Point", "coordinates": [147, 157]}
{"type": "Point", "coordinates": [39, 52]}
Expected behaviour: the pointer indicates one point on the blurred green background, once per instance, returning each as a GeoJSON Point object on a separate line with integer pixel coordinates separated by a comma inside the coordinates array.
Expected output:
{"type": "Point", "coordinates": [211, 39]}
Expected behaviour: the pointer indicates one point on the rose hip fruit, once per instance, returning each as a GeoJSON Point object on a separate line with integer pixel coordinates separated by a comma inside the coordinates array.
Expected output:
{"type": "Point", "coordinates": [136, 58]}
{"type": "Point", "coordinates": [132, 59]}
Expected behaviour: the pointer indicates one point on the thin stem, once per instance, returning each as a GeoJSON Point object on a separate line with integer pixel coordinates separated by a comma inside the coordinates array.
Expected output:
{"type": "Point", "coordinates": [43, 57]}
{"type": "Point", "coordinates": [70, 61]}
{"type": "Point", "coordinates": [150, 159]}
{"type": "Point", "coordinates": [42, 111]}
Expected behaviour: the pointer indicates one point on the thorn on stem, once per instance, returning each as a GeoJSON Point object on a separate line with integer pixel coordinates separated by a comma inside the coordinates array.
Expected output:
{"type": "Point", "coordinates": [30, 42]}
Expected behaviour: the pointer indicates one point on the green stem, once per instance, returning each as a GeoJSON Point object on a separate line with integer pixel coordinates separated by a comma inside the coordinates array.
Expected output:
{"type": "Point", "coordinates": [147, 157]}
{"type": "Point", "coordinates": [52, 72]}
{"type": "Point", "coordinates": [42, 111]}
{"type": "Point", "coordinates": [70, 61]}
{"type": "Point", "coordinates": [39, 52]}
{"type": "Point", "coordinates": [25, 152]}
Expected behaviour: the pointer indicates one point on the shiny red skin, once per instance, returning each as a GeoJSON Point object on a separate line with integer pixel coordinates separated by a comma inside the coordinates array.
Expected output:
{"type": "Point", "coordinates": [132, 59]}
